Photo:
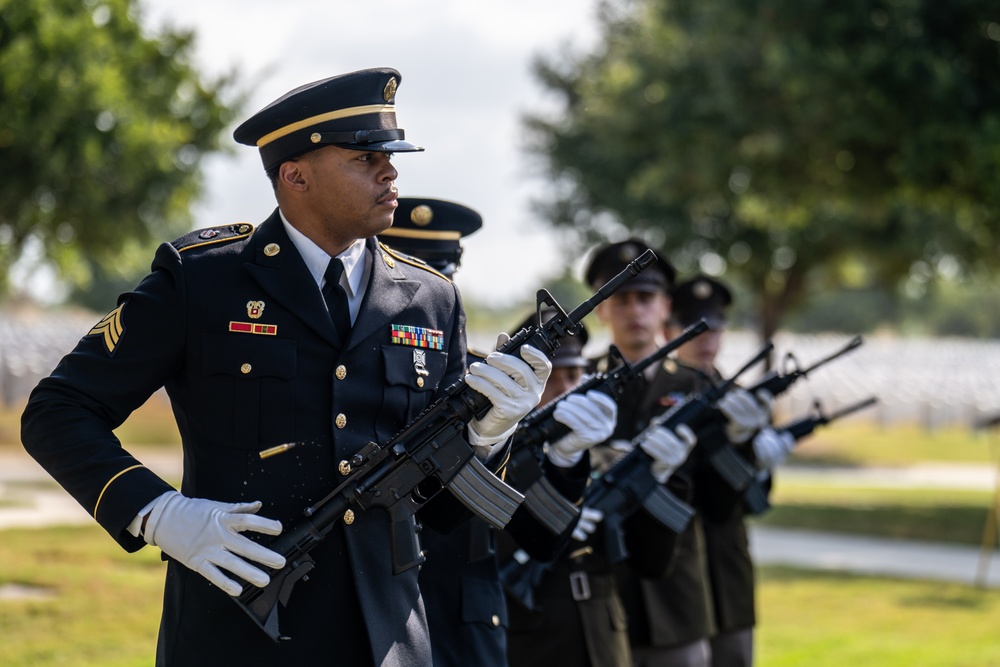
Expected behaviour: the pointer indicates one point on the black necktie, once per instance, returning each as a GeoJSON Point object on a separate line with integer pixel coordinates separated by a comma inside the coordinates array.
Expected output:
{"type": "Point", "coordinates": [336, 299]}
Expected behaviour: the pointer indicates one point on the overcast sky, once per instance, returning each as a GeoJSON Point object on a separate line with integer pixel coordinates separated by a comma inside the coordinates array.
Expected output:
{"type": "Point", "coordinates": [466, 81]}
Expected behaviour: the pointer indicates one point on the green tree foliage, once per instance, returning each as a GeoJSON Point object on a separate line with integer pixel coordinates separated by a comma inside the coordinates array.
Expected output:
{"type": "Point", "coordinates": [102, 132]}
{"type": "Point", "coordinates": [795, 146]}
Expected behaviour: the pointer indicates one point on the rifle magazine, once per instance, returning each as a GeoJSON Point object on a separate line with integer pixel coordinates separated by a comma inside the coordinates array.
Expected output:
{"type": "Point", "coordinates": [669, 510]}
{"type": "Point", "coordinates": [732, 467]}
{"type": "Point", "coordinates": [486, 495]}
{"type": "Point", "coordinates": [549, 506]}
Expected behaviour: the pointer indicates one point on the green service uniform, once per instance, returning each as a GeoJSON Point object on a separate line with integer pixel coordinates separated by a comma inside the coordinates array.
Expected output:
{"type": "Point", "coordinates": [674, 610]}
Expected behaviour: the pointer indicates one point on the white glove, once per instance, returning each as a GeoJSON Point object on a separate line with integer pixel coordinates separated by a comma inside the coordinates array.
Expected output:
{"type": "Point", "coordinates": [585, 527]}
{"type": "Point", "coordinates": [204, 535]}
{"type": "Point", "coordinates": [669, 449]}
{"type": "Point", "coordinates": [513, 386]}
{"type": "Point", "coordinates": [772, 447]}
{"type": "Point", "coordinates": [747, 413]}
{"type": "Point", "coordinates": [591, 418]}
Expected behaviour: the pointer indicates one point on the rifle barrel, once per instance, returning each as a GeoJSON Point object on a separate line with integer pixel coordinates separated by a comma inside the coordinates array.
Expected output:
{"type": "Point", "coordinates": [843, 412]}
{"type": "Point", "coordinates": [852, 344]}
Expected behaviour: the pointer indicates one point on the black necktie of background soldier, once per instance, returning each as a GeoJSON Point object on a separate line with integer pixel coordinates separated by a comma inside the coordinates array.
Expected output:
{"type": "Point", "coordinates": [336, 299]}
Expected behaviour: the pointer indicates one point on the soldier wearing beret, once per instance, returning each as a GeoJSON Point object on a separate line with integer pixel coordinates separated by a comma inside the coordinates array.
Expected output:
{"type": "Point", "coordinates": [730, 567]}
{"type": "Point", "coordinates": [305, 332]}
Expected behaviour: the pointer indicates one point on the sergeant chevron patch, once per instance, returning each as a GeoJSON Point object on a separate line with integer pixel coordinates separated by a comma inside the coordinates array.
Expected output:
{"type": "Point", "coordinates": [111, 328]}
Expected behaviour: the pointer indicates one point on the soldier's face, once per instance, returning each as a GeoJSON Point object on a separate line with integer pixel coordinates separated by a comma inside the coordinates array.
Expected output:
{"type": "Point", "coordinates": [352, 193]}
{"type": "Point", "coordinates": [560, 381]}
{"type": "Point", "coordinates": [635, 319]}
{"type": "Point", "coordinates": [701, 351]}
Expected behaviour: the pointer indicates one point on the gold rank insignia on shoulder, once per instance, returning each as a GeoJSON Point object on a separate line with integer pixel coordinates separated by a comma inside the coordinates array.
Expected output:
{"type": "Point", "coordinates": [111, 328]}
{"type": "Point", "coordinates": [403, 334]}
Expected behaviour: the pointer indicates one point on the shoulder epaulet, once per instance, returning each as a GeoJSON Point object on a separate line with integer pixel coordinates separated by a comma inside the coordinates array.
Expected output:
{"type": "Point", "coordinates": [212, 235]}
{"type": "Point", "coordinates": [412, 261]}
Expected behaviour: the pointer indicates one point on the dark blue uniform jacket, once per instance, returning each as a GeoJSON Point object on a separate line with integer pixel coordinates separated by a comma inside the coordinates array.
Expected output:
{"type": "Point", "coordinates": [233, 325]}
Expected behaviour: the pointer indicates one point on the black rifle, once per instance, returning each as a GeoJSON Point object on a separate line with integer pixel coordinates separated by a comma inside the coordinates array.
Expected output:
{"type": "Point", "coordinates": [738, 473]}
{"type": "Point", "coordinates": [623, 488]}
{"type": "Point", "coordinates": [428, 455]}
{"type": "Point", "coordinates": [778, 383]}
{"type": "Point", "coordinates": [629, 484]}
{"type": "Point", "coordinates": [755, 496]}
{"type": "Point", "coordinates": [541, 498]}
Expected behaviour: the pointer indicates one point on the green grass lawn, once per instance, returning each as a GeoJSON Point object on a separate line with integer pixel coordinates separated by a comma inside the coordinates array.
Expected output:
{"type": "Point", "coordinates": [105, 603]}
{"type": "Point", "coordinates": [105, 606]}
{"type": "Point", "coordinates": [864, 443]}
{"type": "Point", "coordinates": [106, 610]}
{"type": "Point", "coordinates": [833, 620]}
{"type": "Point", "coordinates": [943, 515]}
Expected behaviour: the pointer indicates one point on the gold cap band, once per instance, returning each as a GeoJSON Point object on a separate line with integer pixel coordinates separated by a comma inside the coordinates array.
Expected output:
{"type": "Point", "coordinates": [324, 117]}
{"type": "Point", "coordinates": [422, 234]}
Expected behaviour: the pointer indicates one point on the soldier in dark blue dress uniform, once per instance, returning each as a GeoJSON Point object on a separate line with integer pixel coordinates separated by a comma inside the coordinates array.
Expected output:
{"type": "Point", "coordinates": [305, 330]}
{"type": "Point", "coordinates": [466, 610]}
{"type": "Point", "coordinates": [466, 614]}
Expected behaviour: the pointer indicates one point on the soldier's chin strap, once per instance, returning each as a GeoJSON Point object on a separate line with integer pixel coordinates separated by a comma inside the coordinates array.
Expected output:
{"type": "Point", "coordinates": [360, 137]}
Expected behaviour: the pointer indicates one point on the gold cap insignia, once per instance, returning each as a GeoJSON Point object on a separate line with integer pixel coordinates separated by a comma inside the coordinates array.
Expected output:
{"type": "Point", "coordinates": [390, 89]}
{"type": "Point", "coordinates": [255, 309]}
{"type": "Point", "coordinates": [315, 137]}
{"type": "Point", "coordinates": [272, 249]}
{"type": "Point", "coordinates": [701, 290]}
{"type": "Point", "coordinates": [628, 252]}
{"type": "Point", "coordinates": [422, 215]}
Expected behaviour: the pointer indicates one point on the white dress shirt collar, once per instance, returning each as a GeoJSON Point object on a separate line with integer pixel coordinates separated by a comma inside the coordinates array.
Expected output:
{"type": "Point", "coordinates": [317, 259]}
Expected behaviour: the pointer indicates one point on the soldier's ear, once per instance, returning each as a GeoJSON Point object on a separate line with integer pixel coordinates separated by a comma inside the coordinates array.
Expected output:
{"type": "Point", "coordinates": [291, 176]}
